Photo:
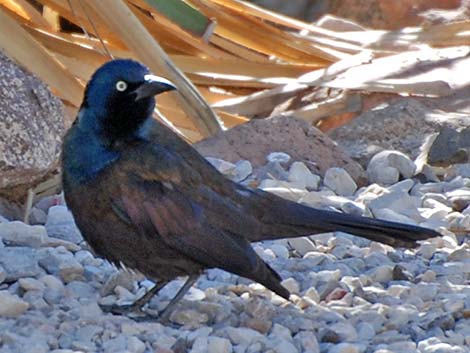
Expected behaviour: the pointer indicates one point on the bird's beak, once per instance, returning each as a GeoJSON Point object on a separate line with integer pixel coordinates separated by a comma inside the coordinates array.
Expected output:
{"type": "Point", "coordinates": [152, 86]}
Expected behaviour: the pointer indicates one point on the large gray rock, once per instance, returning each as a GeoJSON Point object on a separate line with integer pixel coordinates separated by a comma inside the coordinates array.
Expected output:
{"type": "Point", "coordinates": [31, 127]}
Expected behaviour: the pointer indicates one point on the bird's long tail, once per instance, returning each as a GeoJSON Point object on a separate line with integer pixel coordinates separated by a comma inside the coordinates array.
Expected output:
{"type": "Point", "coordinates": [286, 219]}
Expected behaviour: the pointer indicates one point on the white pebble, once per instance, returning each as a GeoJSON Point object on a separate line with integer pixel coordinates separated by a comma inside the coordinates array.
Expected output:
{"type": "Point", "coordinates": [291, 285]}
{"type": "Point", "coordinates": [11, 306]}
{"type": "Point", "coordinates": [344, 348]}
{"type": "Point", "coordinates": [218, 345]}
{"type": "Point", "coordinates": [135, 345]}
{"type": "Point", "coordinates": [382, 274]}
{"type": "Point", "coordinates": [391, 215]}
{"type": "Point", "coordinates": [302, 245]}
{"type": "Point", "coordinates": [339, 180]}
{"type": "Point", "coordinates": [300, 174]}
{"type": "Point", "coordinates": [279, 157]}
{"type": "Point", "coordinates": [284, 346]}
{"type": "Point", "coordinates": [280, 251]}
{"type": "Point", "coordinates": [20, 234]}
{"type": "Point", "coordinates": [243, 335]}
{"type": "Point", "coordinates": [386, 166]}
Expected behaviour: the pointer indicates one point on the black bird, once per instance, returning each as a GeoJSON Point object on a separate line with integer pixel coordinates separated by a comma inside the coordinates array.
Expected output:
{"type": "Point", "coordinates": [144, 198]}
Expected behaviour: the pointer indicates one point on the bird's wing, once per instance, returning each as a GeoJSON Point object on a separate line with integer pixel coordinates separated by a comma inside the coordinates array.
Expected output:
{"type": "Point", "coordinates": [162, 196]}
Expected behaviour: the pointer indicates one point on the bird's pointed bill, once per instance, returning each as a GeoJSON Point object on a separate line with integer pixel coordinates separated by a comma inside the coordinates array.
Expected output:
{"type": "Point", "coordinates": [152, 86]}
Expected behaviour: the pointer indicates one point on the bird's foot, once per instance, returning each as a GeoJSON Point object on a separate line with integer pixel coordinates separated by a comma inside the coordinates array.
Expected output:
{"type": "Point", "coordinates": [137, 313]}
{"type": "Point", "coordinates": [123, 309]}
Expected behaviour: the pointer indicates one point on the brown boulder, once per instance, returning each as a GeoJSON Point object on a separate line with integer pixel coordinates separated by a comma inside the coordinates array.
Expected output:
{"type": "Point", "coordinates": [256, 139]}
{"type": "Point", "coordinates": [402, 124]}
{"type": "Point", "coordinates": [31, 127]}
{"type": "Point", "coordinates": [386, 14]}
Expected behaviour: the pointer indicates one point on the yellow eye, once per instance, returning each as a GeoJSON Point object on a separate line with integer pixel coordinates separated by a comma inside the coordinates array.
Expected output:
{"type": "Point", "coordinates": [121, 86]}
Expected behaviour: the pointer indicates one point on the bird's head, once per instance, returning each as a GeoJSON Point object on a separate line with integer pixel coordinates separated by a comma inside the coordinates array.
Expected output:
{"type": "Point", "coordinates": [119, 98]}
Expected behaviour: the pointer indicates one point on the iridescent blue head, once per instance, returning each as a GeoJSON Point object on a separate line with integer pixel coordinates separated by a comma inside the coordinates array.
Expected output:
{"type": "Point", "coordinates": [119, 98]}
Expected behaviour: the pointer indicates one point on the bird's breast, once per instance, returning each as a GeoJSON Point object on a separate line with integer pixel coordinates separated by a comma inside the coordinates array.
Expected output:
{"type": "Point", "coordinates": [85, 157]}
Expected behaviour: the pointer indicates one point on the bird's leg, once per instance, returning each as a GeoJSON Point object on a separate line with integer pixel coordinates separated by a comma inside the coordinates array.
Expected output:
{"type": "Point", "coordinates": [138, 304]}
{"type": "Point", "coordinates": [164, 315]}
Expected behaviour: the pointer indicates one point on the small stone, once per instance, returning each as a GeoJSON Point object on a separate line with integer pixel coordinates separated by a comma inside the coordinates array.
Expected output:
{"type": "Point", "coordinates": [19, 262]}
{"type": "Point", "coordinates": [454, 305]}
{"type": "Point", "coordinates": [55, 289]}
{"type": "Point", "coordinates": [243, 170]}
{"type": "Point", "coordinates": [338, 180]}
{"type": "Point", "coordinates": [200, 345]}
{"type": "Point", "coordinates": [218, 345]}
{"type": "Point", "coordinates": [11, 306]}
{"type": "Point", "coordinates": [302, 245]}
{"type": "Point", "coordinates": [242, 335]}
{"type": "Point", "coordinates": [3, 274]}
{"type": "Point", "coordinates": [283, 189]}
{"type": "Point", "coordinates": [56, 242]}
{"type": "Point", "coordinates": [459, 198]}
{"type": "Point", "coordinates": [401, 274]}
{"type": "Point", "coordinates": [345, 331]}
{"type": "Point", "coordinates": [354, 208]}
{"type": "Point", "coordinates": [123, 295]}
{"type": "Point", "coordinates": [81, 290]}
{"type": "Point", "coordinates": [37, 216]}
{"type": "Point", "coordinates": [425, 291]}
{"type": "Point", "coordinates": [189, 318]}
{"type": "Point", "coordinates": [280, 331]}
{"type": "Point", "coordinates": [308, 341]}
{"type": "Point", "coordinates": [124, 279]}
{"type": "Point", "coordinates": [391, 215]}
{"type": "Point", "coordinates": [113, 345]}
{"type": "Point", "coordinates": [300, 174]}
{"type": "Point", "coordinates": [328, 287]}
{"type": "Point", "coordinates": [20, 234]}
{"type": "Point", "coordinates": [135, 345]}
{"type": "Point", "coordinates": [280, 251]}
{"type": "Point", "coordinates": [382, 274]}
{"type": "Point", "coordinates": [291, 285]}
{"type": "Point", "coordinates": [427, 250]}
{"type": "Point", "coordinates": [222, 166]}
{"type": "Point", "coordinates": [386, 166]}
{"type": "Point", "coordinates": [60, 224]}
{"type": "Point", "coordinates": [428, 276]}
{"type": "Point", "coordinates": [365, 331]}
{"type": "Point", "coordinates": [436, 205]}
{"type": "Point", "coordinates": [261, 325]}
{"type": "Point", "coordinates": [402, 186]}
{"type": "Point", "coordinates": [59, 261]}
{"type": "Point", "coordinates": [399, 202]}
{"type": "Point", "coordinates": [461, 254]}
{"type": "Point", "coordinates": [272, 170]}
{"type": "Point", "coordinates": [31, 284]}
{"type": "Point", "coordinates": [284, 346]}
{"type": "Point", "coordinates": [312, 294]}
{"type": "Point", "coordinates": [279, 157]}
{"type": "Point", "coordinates": [344, 348]}
{"type": "Point", "coordinates": [336, 294]}
{"type": "Point", "coordinates": [434, 345]}
{"type": "Point", "coordinates": [383, 175]}
{"type": "Point", "coordinates": [52, 283]}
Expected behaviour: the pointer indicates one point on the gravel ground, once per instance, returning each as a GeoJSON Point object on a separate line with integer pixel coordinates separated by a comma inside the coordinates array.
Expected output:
{"type": "Point", "coordinates": [348, 294]}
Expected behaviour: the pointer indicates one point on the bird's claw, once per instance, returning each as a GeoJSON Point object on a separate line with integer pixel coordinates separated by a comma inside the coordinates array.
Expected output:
{"type": "Point", "coordinates": [137, 313]}
{"type": "Point", "coordinates": [122, 309]}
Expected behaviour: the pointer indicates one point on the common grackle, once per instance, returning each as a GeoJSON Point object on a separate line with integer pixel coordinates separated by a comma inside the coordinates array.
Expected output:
{"type": "Point", "coordinates": [144, 198]}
